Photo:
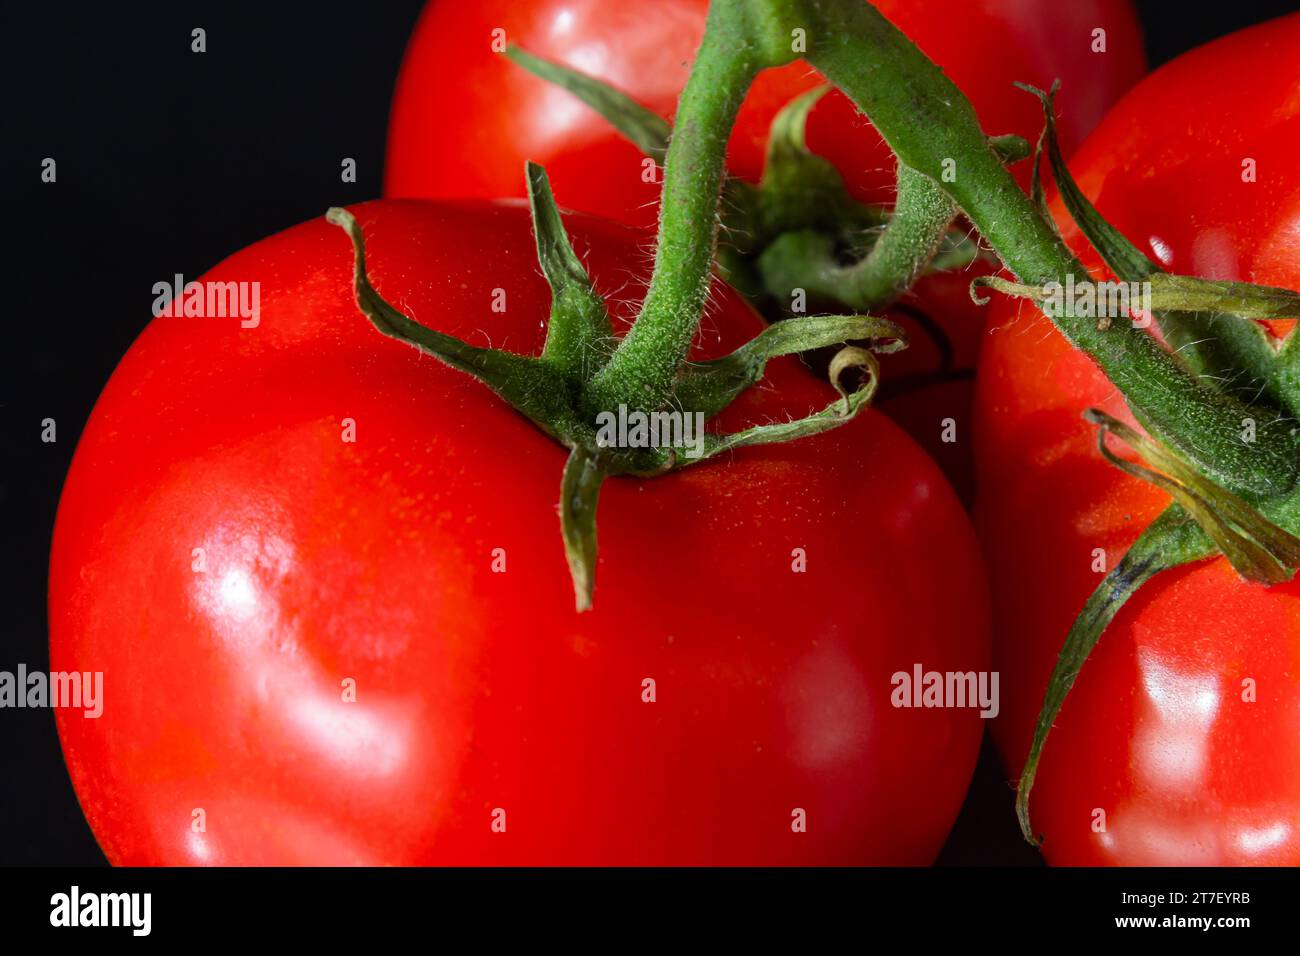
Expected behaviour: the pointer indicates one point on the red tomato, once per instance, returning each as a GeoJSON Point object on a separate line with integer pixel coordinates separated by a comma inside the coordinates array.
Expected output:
{"type": "Point", "coordinates": [465, 120]}
{"type": "Point", "coordinates": [480, 692]}
{"type": "Point", "coordinates": [1156, 733]}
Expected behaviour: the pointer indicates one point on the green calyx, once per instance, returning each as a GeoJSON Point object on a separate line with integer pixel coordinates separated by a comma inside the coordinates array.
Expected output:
{"type": "Point", "coordinates": [554, 389]}
{"type": "Point", "coordinates": [1173, 297]}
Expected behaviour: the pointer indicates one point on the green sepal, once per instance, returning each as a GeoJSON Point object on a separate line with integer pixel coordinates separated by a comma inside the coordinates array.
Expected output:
{"type": "Point", "coordinates": [1123, 258]}
{"type": "Point", "coordinates": [579, 496]}
{"type": "Point", "coordinates": [646, 129]}
{"type": "Point", "coordinates": [798, 189]}
{"type": "Point", "coordinates": [833, 416]}
{"type": "Point", "coordinates": [1257, 549]}
{"type": "Point", "coordinates": [579, 337]}
{"type": "Point", "coordinates": [1176, 293]}
{"type": "Point", "coordinates": [533, 387]}
{"type": "Point", "coordinates": [787, 135]}
{"type": "Point", "coordinates": [711, 386]}
{"type": "Point", "coordinates": [1171, 540]}
{"type": "Point", "coordinates": [1037, 193]}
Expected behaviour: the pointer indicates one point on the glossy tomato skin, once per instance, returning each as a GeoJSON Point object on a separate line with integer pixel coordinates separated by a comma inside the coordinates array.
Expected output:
{"type": "Point", "coordinates": [1159, 732]}
{"type": "Point", "coordinates": [481, 690]}
{"type": "Point", "coordinates": [465, 120]}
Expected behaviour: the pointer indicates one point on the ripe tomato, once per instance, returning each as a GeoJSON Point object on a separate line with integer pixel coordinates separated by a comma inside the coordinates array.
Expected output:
{"type": "Point", "coordinates": [422, 561]}
{"type": "Point", "coordinates": [1157, 733]}
{"type": "Point", "coordinates": [465, 120]}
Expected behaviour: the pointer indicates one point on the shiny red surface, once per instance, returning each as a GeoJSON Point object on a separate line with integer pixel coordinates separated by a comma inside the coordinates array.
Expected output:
{"type": "Point", "coordinates": [1156, 731]}
{"type": "Point", "coordinates": [477, 690]}
{"type": "Point", "coordinates": [465, 119]}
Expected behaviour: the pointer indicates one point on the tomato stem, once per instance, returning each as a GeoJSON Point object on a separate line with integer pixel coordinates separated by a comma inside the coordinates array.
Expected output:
{"type": "Point", "coordinates": [645, 365]}
{"type": "Point", "coordinates": [807, 260]}
{"type": "Point", "coordinates": [942, 152]}
{"type": "Point", "coordinates": [549, 389]}
{"type": "Point", "coordinates": [1201, 320]}
{"type": "Point", "coordinates": [909, 240]}
{"type": "Point", "coordinates": [945, 162]}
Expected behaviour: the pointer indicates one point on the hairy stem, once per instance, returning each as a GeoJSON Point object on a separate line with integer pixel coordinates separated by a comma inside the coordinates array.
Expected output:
{"type": "Point", "coordinates": [806, 260]}
{"type": "Point", "coordinates": [644, 367]}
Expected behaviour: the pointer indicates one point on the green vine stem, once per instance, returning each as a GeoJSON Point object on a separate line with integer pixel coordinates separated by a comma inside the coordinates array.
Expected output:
{"type": "Point", "coordinates": [801, 214]}
{"type": "Point", "coordinates": [643, 368]}
{"type": "Point", "coordinates": [922, 216]}
{"type": "Point", "coordinates": [1204, 328]}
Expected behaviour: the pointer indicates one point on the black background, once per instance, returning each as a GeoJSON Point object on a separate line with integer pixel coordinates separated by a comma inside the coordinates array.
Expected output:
{"type": "Point", "coordinates": [168, 162]}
